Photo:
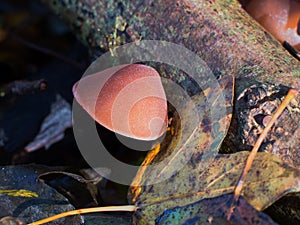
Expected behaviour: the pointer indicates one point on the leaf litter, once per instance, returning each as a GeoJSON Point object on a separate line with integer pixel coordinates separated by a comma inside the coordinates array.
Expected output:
{"type": "Point", "coordinates": [268, 180]}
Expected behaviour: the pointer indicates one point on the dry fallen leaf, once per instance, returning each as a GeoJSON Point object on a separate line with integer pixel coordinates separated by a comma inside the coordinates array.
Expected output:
{"type": "Point", "coordinates": [53, 126]}
{"type": "Point", "coordinates": [267, 181]}
{"type": "Point", "coordinates": [200, 128]}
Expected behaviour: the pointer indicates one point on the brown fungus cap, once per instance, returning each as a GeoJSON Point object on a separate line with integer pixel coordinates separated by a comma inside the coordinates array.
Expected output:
{"type": "Point", "coordinates": [129, 100]}
{"type": "Point", "coordinates": [280, 17]}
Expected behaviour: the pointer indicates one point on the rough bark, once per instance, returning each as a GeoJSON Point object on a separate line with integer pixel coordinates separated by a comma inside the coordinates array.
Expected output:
{"type": "Point", "coordinates": [219, 31]}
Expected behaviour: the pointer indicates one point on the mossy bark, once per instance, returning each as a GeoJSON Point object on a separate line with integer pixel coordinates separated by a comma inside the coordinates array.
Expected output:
{"type": "Point", "coordinates": [219, 31]}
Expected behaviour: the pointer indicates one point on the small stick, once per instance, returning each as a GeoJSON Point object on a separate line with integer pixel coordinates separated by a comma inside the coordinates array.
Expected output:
{"type": "Point", "coordinates": [22, 87]}
{"type": "Point", "coordinates": [239, 186]}
{"type": "Point", "coordinates": [124, 208]}
{"type": "Point", "coordinates": [45, 50]}
{"type": "Point", "coordinates": [294, 52]}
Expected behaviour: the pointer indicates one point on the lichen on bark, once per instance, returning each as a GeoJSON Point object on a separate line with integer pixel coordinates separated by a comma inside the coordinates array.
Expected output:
{"type": "Point", "coordinates": [219, 31]}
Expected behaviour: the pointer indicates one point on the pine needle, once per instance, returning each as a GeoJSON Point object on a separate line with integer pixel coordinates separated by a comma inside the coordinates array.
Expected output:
{"type": "Point", "coordinates": [124, 208]}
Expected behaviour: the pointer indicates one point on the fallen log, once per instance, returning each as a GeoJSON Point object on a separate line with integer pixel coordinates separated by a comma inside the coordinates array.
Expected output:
{"type": "Point", "coordinates": [218, 31]}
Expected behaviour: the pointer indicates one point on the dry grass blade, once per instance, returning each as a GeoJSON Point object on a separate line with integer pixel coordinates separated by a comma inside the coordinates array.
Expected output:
{"type": "Point", "coordinates": [125, 208]}
{"type": "Point", "coordinates": [238, 188]}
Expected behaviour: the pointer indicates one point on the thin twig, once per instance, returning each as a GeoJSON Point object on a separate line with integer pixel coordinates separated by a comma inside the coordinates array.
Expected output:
{"type": "Point", "coordinates": [294, 52]}
{"type": "Point", "coordinates": [44, 50]}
